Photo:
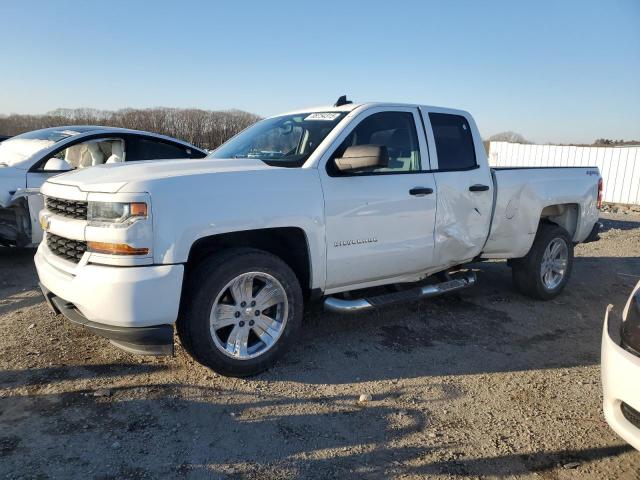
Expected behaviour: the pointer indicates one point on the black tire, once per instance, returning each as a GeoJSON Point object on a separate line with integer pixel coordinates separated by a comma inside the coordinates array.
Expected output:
{"type": "Point", "coordinates": [527, 271]}
{"type": "Point", "coordinates": [207, 281]}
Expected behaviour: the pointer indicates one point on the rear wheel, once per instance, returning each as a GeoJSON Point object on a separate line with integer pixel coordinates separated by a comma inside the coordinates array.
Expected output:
{"type": "Point", "coordinates": [242, 310]}
{"type": "Point", "coordinates": [544, 271]}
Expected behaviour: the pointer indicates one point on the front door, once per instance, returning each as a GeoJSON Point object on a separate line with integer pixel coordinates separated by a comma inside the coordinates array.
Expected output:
{"type": "Point", "coordinates": [379, 223]}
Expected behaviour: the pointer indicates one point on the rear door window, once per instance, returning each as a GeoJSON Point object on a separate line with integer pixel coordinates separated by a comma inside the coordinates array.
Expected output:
{"type": "Point", "coordinates": [454, 142]}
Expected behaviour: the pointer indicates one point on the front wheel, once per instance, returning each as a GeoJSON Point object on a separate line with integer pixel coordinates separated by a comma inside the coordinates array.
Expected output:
{"type": "Point", "coordinates": [544, 271]}
{"type": "Point", "coordinates": [243, 309]}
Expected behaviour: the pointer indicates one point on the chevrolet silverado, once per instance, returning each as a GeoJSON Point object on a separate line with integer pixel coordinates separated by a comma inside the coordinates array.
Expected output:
{"type": "Point", "coordinates": [318, 203]}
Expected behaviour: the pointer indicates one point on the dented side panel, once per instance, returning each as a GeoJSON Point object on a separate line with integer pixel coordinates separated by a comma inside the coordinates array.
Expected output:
{"type": "Point", "coordinates": [36, 203]}
{"type": "Point", "coordinates": [19, 218]}
{"type": "Point", "coordinates": [15, 229]}
{"type": "Point", "coordinates": [524, 194]}
{"type": "Point", "coordinates": [463, 217]}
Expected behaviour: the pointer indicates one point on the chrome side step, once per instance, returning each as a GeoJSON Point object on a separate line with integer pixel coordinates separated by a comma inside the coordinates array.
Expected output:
{"type": "Point", "coordinates": [339, 305]}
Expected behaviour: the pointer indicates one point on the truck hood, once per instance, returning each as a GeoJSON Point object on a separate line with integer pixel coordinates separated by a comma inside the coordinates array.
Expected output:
{"type": "Point", "coordinates": [111, 178]}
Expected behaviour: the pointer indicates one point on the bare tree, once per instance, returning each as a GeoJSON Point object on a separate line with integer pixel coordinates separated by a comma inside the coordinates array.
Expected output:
{"type": "Point", "coordinates": [511, 137]}
{"type": "Point", "coordinates": [204, 128]}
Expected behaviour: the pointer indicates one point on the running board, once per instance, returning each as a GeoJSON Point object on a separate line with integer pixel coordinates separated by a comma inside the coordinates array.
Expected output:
{"type": "Point", "coordinates": [339, 305]}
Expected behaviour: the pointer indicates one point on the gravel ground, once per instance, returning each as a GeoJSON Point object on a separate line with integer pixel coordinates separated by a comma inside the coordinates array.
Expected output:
{"type": "Point", "coordinates": [486, 383]}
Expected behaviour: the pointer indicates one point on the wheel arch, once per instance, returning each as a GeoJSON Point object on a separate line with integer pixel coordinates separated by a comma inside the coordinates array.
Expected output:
{"type": "Point", "coordinates": [566, 215]}
{"type": "Point", "coordinates": [288, 243]}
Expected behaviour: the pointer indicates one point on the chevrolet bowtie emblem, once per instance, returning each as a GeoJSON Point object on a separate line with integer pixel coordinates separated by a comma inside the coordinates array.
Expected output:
{"type": "Point", "coordinates": [45, 221]}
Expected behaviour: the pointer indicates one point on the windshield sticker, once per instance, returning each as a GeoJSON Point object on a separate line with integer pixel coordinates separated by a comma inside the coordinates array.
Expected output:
{"type": "Point", "coordinates": [327, 116]}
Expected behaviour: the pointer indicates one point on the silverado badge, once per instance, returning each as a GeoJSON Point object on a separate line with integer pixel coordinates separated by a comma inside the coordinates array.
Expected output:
{"type": "Point", "coordinates": [359, 241]}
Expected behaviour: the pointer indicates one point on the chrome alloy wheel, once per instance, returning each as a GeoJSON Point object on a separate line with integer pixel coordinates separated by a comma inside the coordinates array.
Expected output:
{"type": "Point", "coordinates": [554, 263]}
{"type": "Point", "coordinates": [249, 315]}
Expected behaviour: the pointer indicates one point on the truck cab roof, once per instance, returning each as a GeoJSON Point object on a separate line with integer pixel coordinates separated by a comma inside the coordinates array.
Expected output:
{"type": "Point", "coordinates": [366, 105]}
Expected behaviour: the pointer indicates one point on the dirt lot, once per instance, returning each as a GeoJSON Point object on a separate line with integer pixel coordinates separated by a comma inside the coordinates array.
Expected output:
{"type": "Point", "coordinates": [485, 384]}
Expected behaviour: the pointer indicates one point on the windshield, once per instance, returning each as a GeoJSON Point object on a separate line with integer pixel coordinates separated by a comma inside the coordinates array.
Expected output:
{"type": "Point", "coordinates": [285, 141]}
{"type": "Point", "coordinates": [22, 147]}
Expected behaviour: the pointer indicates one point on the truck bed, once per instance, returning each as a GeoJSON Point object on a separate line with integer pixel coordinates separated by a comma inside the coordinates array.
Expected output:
{"type": "Point", "coordinates": [524, 194]}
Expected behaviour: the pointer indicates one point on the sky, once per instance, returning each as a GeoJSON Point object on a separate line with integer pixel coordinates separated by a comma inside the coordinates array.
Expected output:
{"type": "Point", "coordinates": [555, 71]}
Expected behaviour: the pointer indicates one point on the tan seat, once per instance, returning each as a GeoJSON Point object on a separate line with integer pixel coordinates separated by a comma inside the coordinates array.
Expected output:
{"type": "Point", "coordinates": [117, 152]}
{"type": "Point", "coordinates": [90, 155]}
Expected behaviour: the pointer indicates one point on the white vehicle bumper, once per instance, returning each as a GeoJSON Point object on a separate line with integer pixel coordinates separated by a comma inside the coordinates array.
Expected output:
{"type": "Point", "coordinates": [621, 388]}
{"type": "Point", "coordinates": [134, 307]}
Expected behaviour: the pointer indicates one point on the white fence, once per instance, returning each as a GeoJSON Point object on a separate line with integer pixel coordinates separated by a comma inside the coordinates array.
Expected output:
{"type": "Point", "coordinates": [619, 166]}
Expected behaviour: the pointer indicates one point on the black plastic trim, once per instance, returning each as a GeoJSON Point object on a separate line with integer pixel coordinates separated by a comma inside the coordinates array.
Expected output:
{"type": "Point", "coordinates": [594, 235]}
{"type": "Point", "coordinates": [465, 169]}
{"type": "Point", "coordinates": [421, 191]}
{"type": "Point", "coordinates": [316, 293]}
{"type": "Point", "coordinates": [412, 172]}
{"type": "Point", "coordinates": [631, 414]}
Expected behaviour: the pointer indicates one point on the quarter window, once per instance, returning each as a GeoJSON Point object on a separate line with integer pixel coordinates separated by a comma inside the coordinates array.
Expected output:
{"type": "Point", "coordinates": [454, 142]}
{"type": "Point", "coordinates": [394, 130]}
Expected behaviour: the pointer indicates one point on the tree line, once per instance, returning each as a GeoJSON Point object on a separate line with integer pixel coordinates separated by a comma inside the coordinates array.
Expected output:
{"type": "Point", "coordinates": [514, 137]}
{"type": "Point", "coordinates": [203, 128]}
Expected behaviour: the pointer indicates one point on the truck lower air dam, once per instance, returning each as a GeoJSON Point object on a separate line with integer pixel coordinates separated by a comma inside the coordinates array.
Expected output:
{"type": "Point", "coordinates": [339, 305]}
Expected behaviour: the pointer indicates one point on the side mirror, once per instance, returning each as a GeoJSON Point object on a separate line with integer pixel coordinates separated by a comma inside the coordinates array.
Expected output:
{"type": "Point", "coordinates": [359, 157]}
{"type": "Point", "coordinates": [57, 165]}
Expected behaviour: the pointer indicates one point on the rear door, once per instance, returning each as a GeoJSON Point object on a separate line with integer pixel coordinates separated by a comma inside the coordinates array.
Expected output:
{"type": "Point", "coordinates": [465, 187]}
{"type": "Point", "coordinates": [379, 223]}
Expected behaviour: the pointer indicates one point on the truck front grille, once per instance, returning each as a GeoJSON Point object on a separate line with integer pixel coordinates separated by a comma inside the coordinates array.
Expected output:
{"type": "Point", "coordinates": [71, 250]}
{"type": "Point", "coordinates": [67, 208]}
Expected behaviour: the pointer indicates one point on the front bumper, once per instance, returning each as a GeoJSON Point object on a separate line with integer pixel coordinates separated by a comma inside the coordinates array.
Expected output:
{"type": "Point", "coordinates": [621, 388]}
{"type": "Point", "coordinates": [156, 340]}
{"type": "Point", "coordinates": [134, 307]}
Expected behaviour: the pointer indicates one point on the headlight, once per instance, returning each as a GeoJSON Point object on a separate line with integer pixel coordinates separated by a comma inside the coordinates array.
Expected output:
{"type": "Point", "coordinates": [115, 214]}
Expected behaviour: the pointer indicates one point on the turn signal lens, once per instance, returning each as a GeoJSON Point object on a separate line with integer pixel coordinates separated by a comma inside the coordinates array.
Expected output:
{"type": "Point", "coordinates": [116, 248]}
{"type": "Point", "coordinates": [138, 209]}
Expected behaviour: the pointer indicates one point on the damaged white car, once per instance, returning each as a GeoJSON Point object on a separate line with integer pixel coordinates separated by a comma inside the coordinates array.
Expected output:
{"type": "Point", "coordinates": [621, 369]}
{"type": "Point", "coordinates": [28, 160]}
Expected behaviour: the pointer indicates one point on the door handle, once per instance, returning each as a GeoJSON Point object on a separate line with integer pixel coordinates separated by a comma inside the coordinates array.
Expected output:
{"type": "Point", "coordinates": [421, 191]}
{"type": "Point", "coordinates": [478, 188]}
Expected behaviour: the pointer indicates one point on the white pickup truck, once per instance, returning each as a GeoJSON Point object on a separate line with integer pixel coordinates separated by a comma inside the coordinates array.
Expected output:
{"type": "Point", "coordinates": [309, 204]}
